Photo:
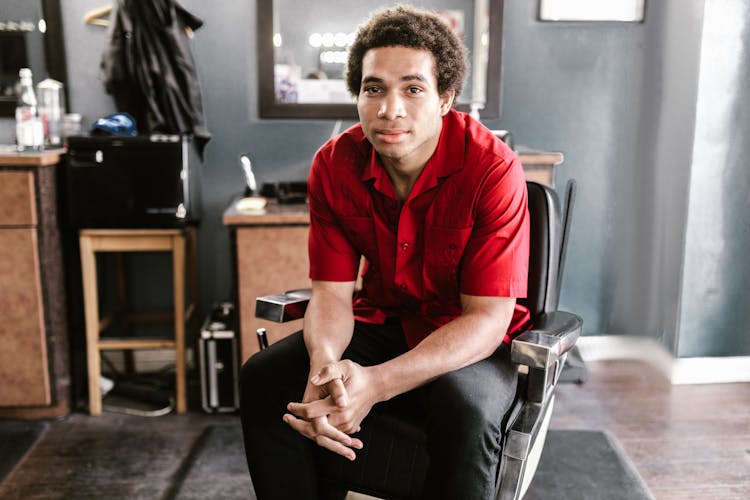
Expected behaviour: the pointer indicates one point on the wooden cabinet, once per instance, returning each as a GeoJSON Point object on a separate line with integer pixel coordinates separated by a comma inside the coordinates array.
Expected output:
{"type": "Point", "coordinates": [539, 166]}
{"type": "Point", "coordinates": [17, 200]}
{"type": "Point", "coordinates": [34, 379]}
{"type": "Point", "coordinates": [271, 256]}
{"type": "Point", "coordinates": [23, 358]}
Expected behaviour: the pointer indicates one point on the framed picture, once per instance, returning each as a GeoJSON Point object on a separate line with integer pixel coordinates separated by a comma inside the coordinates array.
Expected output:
{"type": "Point", "coordinates": [592, 10]}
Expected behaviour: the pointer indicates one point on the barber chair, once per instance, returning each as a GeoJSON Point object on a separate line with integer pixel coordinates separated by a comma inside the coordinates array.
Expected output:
{"type": "Point", "coordinates": [396, 463]}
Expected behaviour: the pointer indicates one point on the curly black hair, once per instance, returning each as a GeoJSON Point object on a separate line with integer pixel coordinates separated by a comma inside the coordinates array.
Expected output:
{"type": "Point", "coordinates": [418, 29]}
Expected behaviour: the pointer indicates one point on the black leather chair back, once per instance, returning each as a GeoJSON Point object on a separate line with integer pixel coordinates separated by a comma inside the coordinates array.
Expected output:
{"type": "Point", "coordinates": [544, 251]}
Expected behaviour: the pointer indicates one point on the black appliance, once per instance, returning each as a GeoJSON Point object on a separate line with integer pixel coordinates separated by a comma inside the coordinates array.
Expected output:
{"type": "Point", "coordinates": [131, 182]}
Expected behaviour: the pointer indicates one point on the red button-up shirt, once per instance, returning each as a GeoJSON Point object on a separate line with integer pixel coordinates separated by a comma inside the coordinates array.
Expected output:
{"type": "Point", "coordinates": [464, 227]}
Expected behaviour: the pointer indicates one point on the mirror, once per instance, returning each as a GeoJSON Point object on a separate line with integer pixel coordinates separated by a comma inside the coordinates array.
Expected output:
{"type": "Point", "coordinates": [30, 36]}
{"type": "Point", "coordinates": [302, 54]}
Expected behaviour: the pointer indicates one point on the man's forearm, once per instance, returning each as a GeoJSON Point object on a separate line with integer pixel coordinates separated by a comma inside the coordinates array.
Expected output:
{"type": "Point", "coordinates": [328, 329]}
{"type": "Point", "coordinates": [467, 339]}
{"type": "Point", "coordinates": [328, 325]}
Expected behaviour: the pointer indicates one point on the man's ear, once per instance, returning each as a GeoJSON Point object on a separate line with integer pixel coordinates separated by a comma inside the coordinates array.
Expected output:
{"type": "Point", "coordinates": [446, 101]}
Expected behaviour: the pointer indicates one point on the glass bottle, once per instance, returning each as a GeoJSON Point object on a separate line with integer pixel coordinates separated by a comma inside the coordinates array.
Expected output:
{"type": "Point", "coordinates": [29, 129]}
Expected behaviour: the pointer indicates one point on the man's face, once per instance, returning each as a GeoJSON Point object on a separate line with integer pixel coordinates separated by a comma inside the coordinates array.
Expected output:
{"type": "Point", "coordinates": [399, 105]}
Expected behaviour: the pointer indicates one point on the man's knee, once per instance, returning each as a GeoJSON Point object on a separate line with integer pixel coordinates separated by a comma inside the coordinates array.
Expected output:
{"type": "Point", "coordinates": [277, 369]}
{"type": "Point", "coordinates": [259, 365]}
{"type": "Point", "coordinates": [256, 372]}
{"type": "Point", "coordinates": [465, 410]}
{"type": "Point", "coordinates": [475, 399]}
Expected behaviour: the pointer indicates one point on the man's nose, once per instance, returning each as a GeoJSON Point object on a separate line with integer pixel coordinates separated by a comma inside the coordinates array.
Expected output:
{"type": "Point", "coordinates": [392, 107]}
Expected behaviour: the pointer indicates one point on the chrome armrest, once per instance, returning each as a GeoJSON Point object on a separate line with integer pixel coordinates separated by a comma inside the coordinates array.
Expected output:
{"type": "Point", "coordinates": [552, 335]}
{"type": "Point", "coordinates": [543, 350]}
{"type": "Point", "coordinates": [284, 307]}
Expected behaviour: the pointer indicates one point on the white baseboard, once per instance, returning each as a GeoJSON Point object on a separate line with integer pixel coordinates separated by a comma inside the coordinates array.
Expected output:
{"type": "Point", "coordinates": [711, 370]}
{"type": "Point", "coordinates": [706, 370]}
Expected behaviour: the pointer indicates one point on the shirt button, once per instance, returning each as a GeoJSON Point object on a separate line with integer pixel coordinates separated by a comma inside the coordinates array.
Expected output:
{"type": "Point", "coordinates": [452, 246]}
{"type": "Point", "coordinates": [404, 245]}
{"type": "Point", "coordinates": [402, 286]}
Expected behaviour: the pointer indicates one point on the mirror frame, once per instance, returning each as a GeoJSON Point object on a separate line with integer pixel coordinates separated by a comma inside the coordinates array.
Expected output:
{"type": "Point", "coordinates": [54, 52]}
{"type": "Point", "coordinates": [268, 107]}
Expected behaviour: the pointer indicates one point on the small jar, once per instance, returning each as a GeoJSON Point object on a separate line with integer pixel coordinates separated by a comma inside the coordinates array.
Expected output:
{"type": "Point", "coordinates": [71, 125]}
{"type": "Point", "coordinates": [51, 110]}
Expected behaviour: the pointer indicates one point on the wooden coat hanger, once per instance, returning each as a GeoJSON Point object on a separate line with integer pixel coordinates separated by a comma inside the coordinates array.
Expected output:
{"type": "Point", "coordinates": [96, 16]}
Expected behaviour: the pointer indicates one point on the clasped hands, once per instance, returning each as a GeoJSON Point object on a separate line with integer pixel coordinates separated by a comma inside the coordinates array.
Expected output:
{"type": "Point", "coordinates": [336, 400]}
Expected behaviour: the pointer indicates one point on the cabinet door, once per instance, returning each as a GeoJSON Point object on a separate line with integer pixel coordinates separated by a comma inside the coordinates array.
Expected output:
{"type": "Point", "coordinates": [17, 199]}
{"type": "Point", "coordinates": [24, 378]}
{"type": "Point", "coordinates": [270, 259]}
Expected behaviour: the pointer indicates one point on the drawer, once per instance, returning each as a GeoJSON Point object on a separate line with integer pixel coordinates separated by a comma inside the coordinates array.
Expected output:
{"type": "Point", "coordinates": [17, 203]}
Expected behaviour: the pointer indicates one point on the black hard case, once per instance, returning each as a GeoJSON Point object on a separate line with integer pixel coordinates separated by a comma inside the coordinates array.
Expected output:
{"type": "Point", "coordinates": [219, 360]}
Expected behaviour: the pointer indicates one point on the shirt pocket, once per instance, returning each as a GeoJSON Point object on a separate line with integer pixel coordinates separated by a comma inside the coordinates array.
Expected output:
{"type": "Point", "coordinates": [443, 249]}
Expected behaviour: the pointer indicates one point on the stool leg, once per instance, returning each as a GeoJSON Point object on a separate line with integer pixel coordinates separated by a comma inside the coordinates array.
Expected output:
{"type": "Point", "coordinates": [91, 311]}
{"type": "Point", "coordinates": [191, 274]}
{"type": "Point", "coordinates": [124, 309]}
{"type": "Point", "coordinates": [178, 271]}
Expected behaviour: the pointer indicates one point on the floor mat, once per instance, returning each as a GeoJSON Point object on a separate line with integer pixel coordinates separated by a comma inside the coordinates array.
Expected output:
{"type": "Point", "coordinates": [575, 465]}
{"type": "Point", "coordinates": [585, 465]}
{"type": "Point", "coordinates": [218, 468]}
{"type": "Point", "coordinates": [112, 456]}
{"type": "Point", "coordinates": [16, 438]}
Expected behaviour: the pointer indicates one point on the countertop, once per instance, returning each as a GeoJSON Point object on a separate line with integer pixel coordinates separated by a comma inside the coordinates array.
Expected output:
{"type": "Point", "coordinates": [9, 157]}
{"type": "Point", "coordinates": [272, 214]}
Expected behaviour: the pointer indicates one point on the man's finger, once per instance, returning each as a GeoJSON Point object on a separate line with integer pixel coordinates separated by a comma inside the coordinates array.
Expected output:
{"type": "Point", "coordinates": [326, 374]}
{"type": "Point", "coordinates": [313, 409]}
{"type": "Point", "coordinates": [335, 447]}
{"type": "Point", "coordinates": [301, 426]}
{"type": "Point", "coordinates": [343, 422]}
{"type": "Point", "coordinates": [321, 428]}
{"type": "Point", "coordinates": [338, 392]}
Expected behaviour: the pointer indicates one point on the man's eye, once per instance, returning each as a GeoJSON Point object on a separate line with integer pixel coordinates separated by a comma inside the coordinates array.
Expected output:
{"type": "Point", "coordinates": [372, 90]}
{"type": "Point", "coordinates": [415, 90]}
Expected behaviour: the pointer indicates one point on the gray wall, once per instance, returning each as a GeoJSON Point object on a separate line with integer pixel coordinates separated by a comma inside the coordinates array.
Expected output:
{"type": "Point", "coordinates": [619, 100]}
{"type": "Point", "coordinates": [715, 301]}
{"type": "Point", "coordinates": [659, 234]}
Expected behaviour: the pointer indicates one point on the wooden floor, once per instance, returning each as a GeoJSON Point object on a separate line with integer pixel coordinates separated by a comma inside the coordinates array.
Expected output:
{"type": "Point", "coordinates": [687, 442]}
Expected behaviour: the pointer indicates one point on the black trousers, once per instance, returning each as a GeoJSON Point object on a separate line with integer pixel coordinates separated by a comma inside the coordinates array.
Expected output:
{"type": "Point", "coordinates": [462, 414]}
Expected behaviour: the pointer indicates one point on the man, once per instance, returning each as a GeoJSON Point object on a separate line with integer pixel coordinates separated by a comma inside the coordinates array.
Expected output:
{"type": "Point", "coordinates": [437, 206]}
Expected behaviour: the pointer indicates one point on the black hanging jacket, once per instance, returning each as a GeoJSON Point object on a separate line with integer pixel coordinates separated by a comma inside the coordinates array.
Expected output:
{"type": "Point", "coordinates": [148, 68]}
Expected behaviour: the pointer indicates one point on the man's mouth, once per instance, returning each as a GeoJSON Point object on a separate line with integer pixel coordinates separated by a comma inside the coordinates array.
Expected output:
{"type": "Point", "coordinates": [391, 135]}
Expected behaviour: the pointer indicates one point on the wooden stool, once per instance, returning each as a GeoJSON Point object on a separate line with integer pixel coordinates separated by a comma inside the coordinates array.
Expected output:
{"type": "Point", "coordinates": [180, 242]}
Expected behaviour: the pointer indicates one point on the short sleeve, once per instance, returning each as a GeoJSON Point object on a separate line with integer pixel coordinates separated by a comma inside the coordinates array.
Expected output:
{"type": "Point", "coordinates": [496, 258]}
{"type": "Point", "coordinates": [332, 256]}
